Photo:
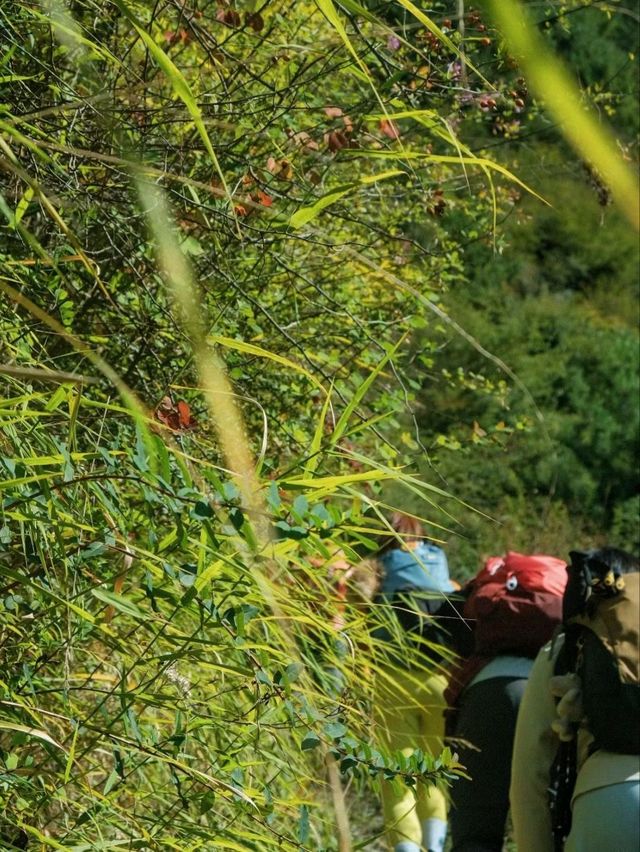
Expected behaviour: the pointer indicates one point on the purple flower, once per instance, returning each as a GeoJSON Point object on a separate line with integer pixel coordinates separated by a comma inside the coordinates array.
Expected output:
{"type": "Point", "coordinates": [393, 42]}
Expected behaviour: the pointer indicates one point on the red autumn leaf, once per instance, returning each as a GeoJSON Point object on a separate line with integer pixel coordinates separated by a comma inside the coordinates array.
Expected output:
{"type": "Point", "coordinates": [180, 35]}
{"type": "Point", "coordinates": [262, 198]}
{"type": "Point", "coordinates": [390, 129]}
{"type": "Point", "coordinates": [184, 415]}
{"type": "Point", "coordinates": [166, 413]}
{"type": "Point", "coordinates": [336, 112]}
{"type": "Point", "coordinates": [176, 417]}
{"type": "Point", "coordinates": [336, 140]}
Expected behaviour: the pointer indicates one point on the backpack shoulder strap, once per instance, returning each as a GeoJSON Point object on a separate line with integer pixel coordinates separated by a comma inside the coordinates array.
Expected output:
{"type": "Point", "coordinates": [564, 769]}
{"type": "Point", "coordinates": [567, 659]}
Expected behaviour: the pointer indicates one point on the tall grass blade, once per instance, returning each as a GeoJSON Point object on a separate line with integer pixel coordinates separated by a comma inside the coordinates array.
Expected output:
{"type": "Point", "coordinates": [592, 140]}
{"type": "Point", "coordinates": [180, 86]}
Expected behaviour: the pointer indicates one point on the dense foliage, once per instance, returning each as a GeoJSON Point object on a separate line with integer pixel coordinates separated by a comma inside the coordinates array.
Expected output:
{"type": "Point", "coordinates": [236, 242]}
{"type": "Point", "coordinates": [552, 457]}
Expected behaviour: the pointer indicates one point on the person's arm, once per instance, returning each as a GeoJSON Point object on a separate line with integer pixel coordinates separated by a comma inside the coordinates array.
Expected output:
{"type": "Point", "coordinates": [534, 749]}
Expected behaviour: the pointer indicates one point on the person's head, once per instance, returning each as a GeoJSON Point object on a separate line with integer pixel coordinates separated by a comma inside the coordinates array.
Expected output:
{"type": "Point", "coordinates": [407, 530]}
{"type": "Point", "coordinates": [598, 571]}
{"type": "Point", "coordinates": [604, 559]}
{"type": "Point", "coordinates": [363, 581]}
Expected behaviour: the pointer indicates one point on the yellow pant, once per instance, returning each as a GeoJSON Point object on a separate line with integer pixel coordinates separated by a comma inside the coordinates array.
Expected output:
{"type": "Point", "coordinates": [409, 714]}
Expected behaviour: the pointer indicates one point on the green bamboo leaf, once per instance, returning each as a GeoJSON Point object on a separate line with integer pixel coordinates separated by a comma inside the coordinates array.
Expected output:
{"type": "Point", "coordinates": [481, 162]}
{"type": "Point", "coordinates": [306, 214]}
{"type": "Point", "coordinates": [252, 349]}
{"type": "Point", "coordinates": [180, 86]}
{"type": "Point", "coordinates": [57, 398]}
{"type": "Point", "coordinates": [72, 755]}
{"type": "Point", "coordinates": [25, 480]}
{"type": "Point", "coordinates": [331, 483]}
{"type": "Point", "coordinates": [342, 423]}
{"type": "Point", "coordinates": [47, 842]}
{"type": "Point", "coordinates": [30, 732]}
{"type": "Point", "coordinates": [318, 435]}
{"type": "Point", "coordinates": [32, 146]}
{"type": "Point", "coordinates": [331, 14]}
{"type": "Point", "coordinates": [122, 604]}
{"type": "Point", "coordinates": [54, 458]}
{"type": "Point", "coordinates": [14, 78]}
{"type": "Point", "coordinates": [69, 33]}
{"type": "Point", "coordinates": [23, 204]}
{"type": "Point", "coordinates": [426, 21]}
{"type": "Point", "coordinates": [212, 570]}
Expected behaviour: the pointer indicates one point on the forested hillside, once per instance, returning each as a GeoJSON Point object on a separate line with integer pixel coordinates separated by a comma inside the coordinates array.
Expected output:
{"type": "Point", "coordinates": [549, 459]}
{"type": "Point", "coordinates": [268, 271]}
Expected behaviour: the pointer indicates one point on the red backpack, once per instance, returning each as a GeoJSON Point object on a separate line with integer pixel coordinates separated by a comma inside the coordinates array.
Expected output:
{"type": "Point", "coordinates": [513, 606]}
{"type": "Point", "coordinates": [516, 603]}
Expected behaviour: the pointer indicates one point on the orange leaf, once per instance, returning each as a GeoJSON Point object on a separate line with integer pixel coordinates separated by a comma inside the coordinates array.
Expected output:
{"type": "Point", "coordinates": [390, 129]}
{"type": "Point", "coordinates": [262, 198]}
{"type": "Point", "coordinates": [176, 417]}
{"type": "Point", "coordinates": [336, 140]}
{"type": "Point", "coordinates": [184, 415]}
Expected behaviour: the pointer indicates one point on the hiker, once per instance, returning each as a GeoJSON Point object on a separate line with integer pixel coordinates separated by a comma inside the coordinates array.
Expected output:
{"type": "Point", "coordinates": [334, 587]}
{"type": "Point", "coordinates": [408, 701]}
{"type": "Point", "coordinates": [514, 605]}
{"type": "Point", "coordinates": [576, 769]}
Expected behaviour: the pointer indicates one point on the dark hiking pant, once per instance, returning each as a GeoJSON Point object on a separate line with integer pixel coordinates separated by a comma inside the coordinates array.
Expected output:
{"type": "Point", "coordinates": [479, 807]}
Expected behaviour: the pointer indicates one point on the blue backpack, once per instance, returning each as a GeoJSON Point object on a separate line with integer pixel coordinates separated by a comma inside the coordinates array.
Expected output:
{"type": "Point", "coordinates": [423, 568]}
{"type": "Point", "coordinates": [415, 598]}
